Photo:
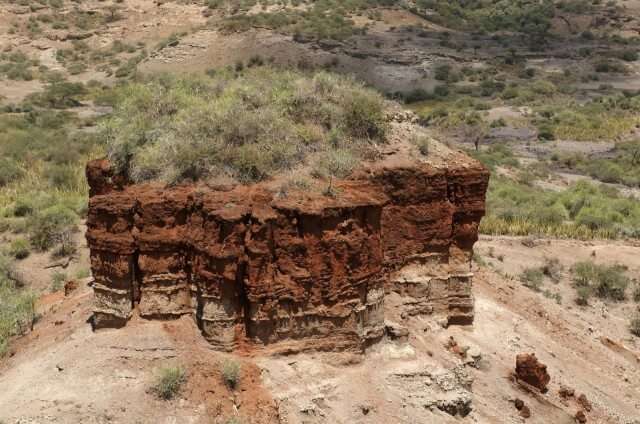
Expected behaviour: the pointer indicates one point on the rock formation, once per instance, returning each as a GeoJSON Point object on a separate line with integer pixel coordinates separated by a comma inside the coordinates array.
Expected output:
{"type": "Point", "coordinates": [532, 371]}
{"type": "Point", "coordinates": [308, 271]}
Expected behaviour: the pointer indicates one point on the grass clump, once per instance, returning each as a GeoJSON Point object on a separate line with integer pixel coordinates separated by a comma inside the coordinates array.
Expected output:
{"type": "Point", "coordinates": [51, 226]}
{"type": "Point", "coordinates": [532, 278]}
{"type": "Point", "coordinates": [422, 143]}
{"type": "Point", "coordinates": [19, 248]}
{"type": "Point", "coordinates": [605, 282]}
{"type": "Point", "coordinates": [57, 281]}
{"type": "Point", "coordinates": [248, 126]}
{"type": "Point", "coordinates": [231, 373]}
{"type": "Point", "coordinates": [169, 381]}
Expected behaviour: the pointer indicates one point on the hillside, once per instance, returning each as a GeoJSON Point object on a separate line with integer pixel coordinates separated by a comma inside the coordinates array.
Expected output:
{"type": "Point", "coordinates": [306, 180]}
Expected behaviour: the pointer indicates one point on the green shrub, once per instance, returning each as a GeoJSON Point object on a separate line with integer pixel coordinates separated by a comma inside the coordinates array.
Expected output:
{"type": "Point", "coordinates": [17, 306]}
{"type": "Point", "coordinates": [416, 95]}
{"type": "Point", "coordinates": [532, 278]}
{"type": "Point", "coordinates": [629, 55]}
{"type": "Point", "coordinates": [515, 208]}
{"type": "Point", "coordinates": [422, 143]}
{"type": "Point", "coordinates": [606, 282]}
{"type": "Point", "coordinates": [552, 268]}
{"type": "Point", "coordinates": [168, 382]}
{"type": "Point", "coordinates": [248, 127]}
{"type": "Point", "coordinates": [57, 281]}
{"type": "Point", "coordinates": [10, 171]}
{"type": "Point", "coordinates": [612, 283]}
{"type": "Point", "coordinates": [19, 248]}
{"type": "Point", "coordinates": [231, 372]}
{"type": "Point", "coordinates": [582, 296]}
{"type": "Point", "coordinates": [50, 226]}
{"type": "Point", "coordinates": [58, 95]}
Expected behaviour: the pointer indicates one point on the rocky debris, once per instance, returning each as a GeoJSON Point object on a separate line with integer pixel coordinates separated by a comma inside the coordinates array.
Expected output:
{"type": "Point", "coordinates": [70, 287]}
{"type": "Point", "coordinates": [404, 116]}
{"type": "Point", "coordinates": [453, 346]}
{"type": "Point", "coordinates": [522, 408]}
{"type": "Point", "coordinates": [471, 356]}
{"type": "Point", "coordinates": [532, 371]}
{"type": "Point", "coordinates": [396, 332]}
{"type": "Point", "coordinates": [581, 417]}
{"type": "Point", "coordinates": [474, 358]}
{"type": "Point", "coordinates": [584, 403]}
{"type": "Point", "coordinates": [308, 270]}
{"type": "Point", "coordinates": [566, 393]}
{"type": "Point", "coordinates": [445, 390]}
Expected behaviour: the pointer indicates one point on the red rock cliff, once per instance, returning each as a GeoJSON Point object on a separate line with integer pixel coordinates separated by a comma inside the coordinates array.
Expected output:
{"type": "Point", "coordinates": [307, 271]}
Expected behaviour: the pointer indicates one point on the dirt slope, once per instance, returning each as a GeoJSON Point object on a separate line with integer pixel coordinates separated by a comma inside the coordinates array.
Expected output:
{"type": "Point", "coordinates": [63, 372]}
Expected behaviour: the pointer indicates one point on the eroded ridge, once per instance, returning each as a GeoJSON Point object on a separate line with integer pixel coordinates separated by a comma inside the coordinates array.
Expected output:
{"type": "Point", "coordinates": [303, 272]}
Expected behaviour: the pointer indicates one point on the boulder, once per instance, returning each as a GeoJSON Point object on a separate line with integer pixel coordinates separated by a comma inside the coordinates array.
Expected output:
{"type": "Point", "coordinates": [532, 371]}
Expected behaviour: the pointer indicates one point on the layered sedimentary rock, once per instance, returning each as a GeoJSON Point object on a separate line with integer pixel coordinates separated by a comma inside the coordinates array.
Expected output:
{"type": "Point", "coordinates": [303, 272]}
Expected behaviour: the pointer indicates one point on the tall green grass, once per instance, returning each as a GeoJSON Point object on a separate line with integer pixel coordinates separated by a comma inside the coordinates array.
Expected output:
{"type": "Point", "coordinates": [583, 211]}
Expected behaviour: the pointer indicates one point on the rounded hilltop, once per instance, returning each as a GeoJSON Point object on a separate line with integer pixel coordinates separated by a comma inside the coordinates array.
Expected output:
{"type": "Point", "coordinates": [253, 126]}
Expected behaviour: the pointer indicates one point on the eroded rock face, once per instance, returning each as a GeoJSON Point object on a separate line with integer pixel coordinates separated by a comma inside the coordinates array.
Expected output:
{"type": "Point", "coordinates": [308, 271]}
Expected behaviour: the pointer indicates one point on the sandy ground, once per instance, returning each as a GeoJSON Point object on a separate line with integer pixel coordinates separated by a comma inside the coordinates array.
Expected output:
{"type": "Point", "coordinates": [63, 372]}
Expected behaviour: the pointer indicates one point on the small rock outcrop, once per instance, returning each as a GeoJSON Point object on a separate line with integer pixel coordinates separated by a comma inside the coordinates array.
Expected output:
{"type": "Point", "coordinates": [522, 408]}
{"type": "Point", "coordinates": [532, 371]}
{"type": "Point", "coordinates": [308, 271]}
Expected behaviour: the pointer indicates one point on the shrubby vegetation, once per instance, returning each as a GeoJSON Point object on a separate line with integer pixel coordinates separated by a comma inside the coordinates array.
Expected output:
{"type": "Point", "coordinates": [605, 118]}
{"type": "Point", "coordinates": [17, 305]}
{"type": "Point", "coordinates": [532, 17]}
{"type": "Point", "coordinates": [605, 282]}
{"type": "Point", "coordinates": [169, 381]}
{"type": "Point", "coordinates": [621, 168]}
{"type": "Point", "coordinates": [231, 372]}
{"type": "Point", "coordinates": [247, 125]}
{"type": "Point", "coordinates": [327, 19]}
{"type": "Point", "coordinates": [43, 191]}
{"type": "Point", "coordinates": [583, 211]}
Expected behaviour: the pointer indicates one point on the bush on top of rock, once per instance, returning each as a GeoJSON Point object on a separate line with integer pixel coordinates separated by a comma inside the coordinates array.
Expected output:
{"type": "Point", "coordinates": [247, 126]}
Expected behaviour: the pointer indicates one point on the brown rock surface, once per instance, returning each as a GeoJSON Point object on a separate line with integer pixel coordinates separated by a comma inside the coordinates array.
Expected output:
{"type": "Point", "coordinates": [584, 403]}
{"type": "Point", "coordinates": [581, 417]}
{"type": "Point", "coordinates": [308, 271]}
{"type": "Point", "coordinates": [532, 371]}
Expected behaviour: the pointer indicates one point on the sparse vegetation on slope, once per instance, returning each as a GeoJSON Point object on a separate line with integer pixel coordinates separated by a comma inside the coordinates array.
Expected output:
{"type": "Point", "coordinates": [582, 211]}
{"type": "Point", "coordinates": [248, 126]}
{"type": "Point", "coordinates": [169, 381]}
{"type": "Point", "coordinates": [530, 17]}
{"type": "Point", "coordinates": [17, 305]}
{"type": "Point", "coordinates": [42, 187]}
{"type": "Point", "coordinates": [231, 372]}
{"type": "Point", "coordinates": [623, 167]}
{"type": "Point", "coordinates": [605, 282]}
{"type": "Point", "coordinates": [327, 19]}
